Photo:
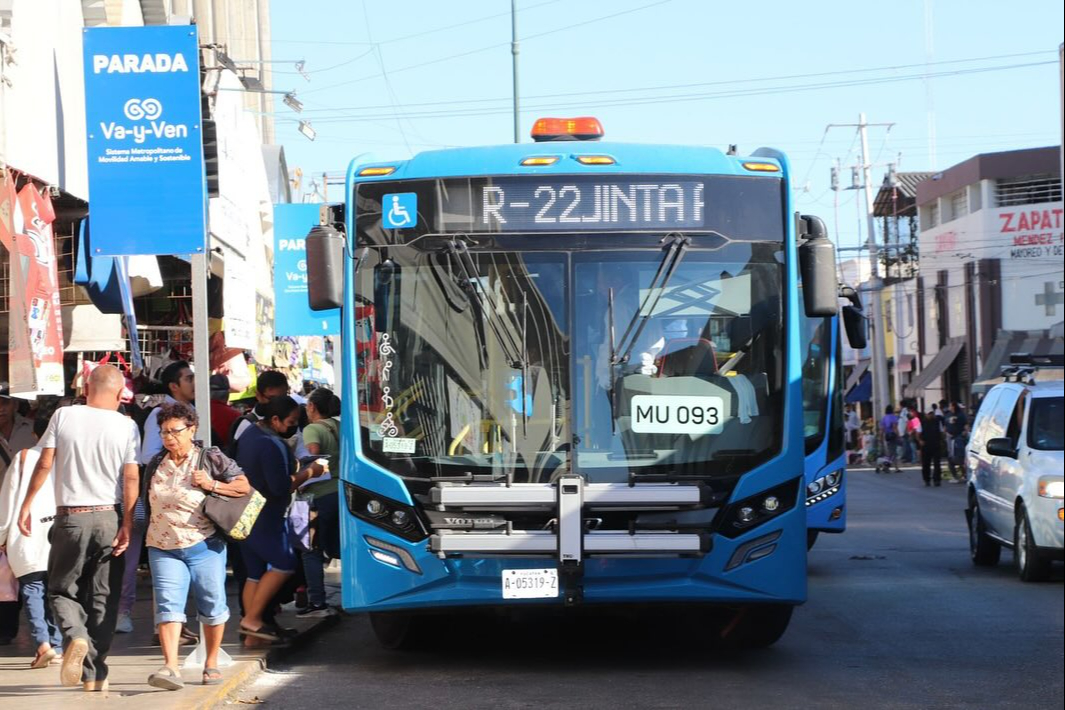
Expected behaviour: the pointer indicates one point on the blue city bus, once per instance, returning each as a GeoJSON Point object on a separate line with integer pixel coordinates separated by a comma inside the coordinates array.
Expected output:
{"type": "Point", "coordinates": [573, 371]}
{"type": "Point", "coordinates": [822, 396]}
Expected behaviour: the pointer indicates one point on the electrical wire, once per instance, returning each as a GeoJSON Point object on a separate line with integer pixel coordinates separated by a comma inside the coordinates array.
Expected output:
{"type": "Point", "coordinates": [682, 98]}
{"type": "Point", "coordinates": [723, 82]}
{"type": "Point", "coordinates": [495, 46]}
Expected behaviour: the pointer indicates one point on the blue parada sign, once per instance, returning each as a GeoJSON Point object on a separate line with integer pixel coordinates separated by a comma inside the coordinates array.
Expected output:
{"type": "Point", "coordinates": [147, 189]}
{"type": "Point", "coordinates": [292, 311]}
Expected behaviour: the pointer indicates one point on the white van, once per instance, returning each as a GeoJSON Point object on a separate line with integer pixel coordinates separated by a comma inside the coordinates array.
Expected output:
{"type": "Point", "coordinates": [1014, 465]}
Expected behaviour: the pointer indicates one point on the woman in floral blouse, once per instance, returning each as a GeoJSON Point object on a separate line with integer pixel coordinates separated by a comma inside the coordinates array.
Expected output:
{"type": "Point", "coordinates": [183, 544]}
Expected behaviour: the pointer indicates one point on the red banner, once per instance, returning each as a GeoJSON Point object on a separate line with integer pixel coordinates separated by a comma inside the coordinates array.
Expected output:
{"type": "Point", "coordinates": [19, 356]}
{"type": "Point", "coordinates": [36, 324]}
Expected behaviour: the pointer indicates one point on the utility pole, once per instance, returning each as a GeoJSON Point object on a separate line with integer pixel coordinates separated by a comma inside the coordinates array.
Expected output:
{"type": "Point", "coordinates": [514, 52]}
{"type": "Point", "coordinates": [879, 364]}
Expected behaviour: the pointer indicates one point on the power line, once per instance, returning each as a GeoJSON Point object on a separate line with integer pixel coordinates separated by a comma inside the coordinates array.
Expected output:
{"type": "Point", "coordinates": [724, 82]}
{"type": "Point", "coordinates": [494, 46]}
{"type": "Point", "coordinates": [686, 98]}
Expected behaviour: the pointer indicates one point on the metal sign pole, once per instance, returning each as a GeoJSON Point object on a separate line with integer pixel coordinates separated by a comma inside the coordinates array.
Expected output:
{"type": "Point", "coordinates": [201, 351]}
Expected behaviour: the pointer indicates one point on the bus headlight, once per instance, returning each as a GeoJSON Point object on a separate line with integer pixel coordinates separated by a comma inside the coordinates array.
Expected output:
{"type": "Point", "coordinates": [737, 518]}
{"type": "Point", "coordinates": [391, 515]}
{"type": "Point", "coordinates": [1051, 487]}
{"type": "Point", "coordinates": [823, 487]}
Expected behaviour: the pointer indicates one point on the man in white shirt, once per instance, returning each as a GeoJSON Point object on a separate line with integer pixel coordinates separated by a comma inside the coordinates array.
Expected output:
{"type": "Point", "coordinates": [96, 477]}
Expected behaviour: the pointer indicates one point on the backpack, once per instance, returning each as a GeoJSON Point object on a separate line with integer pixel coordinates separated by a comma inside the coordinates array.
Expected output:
{"type": "Point", "coordinates": [231, 448]}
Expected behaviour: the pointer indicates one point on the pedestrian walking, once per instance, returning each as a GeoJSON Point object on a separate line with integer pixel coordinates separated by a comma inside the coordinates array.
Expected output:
{"type": "Point", "coordinates": [853, 424]}
{"type": "Point", "coordinates": [930, 440]}
{"type": "Point", "coordinates": [267, 552]}
{"type": "Point", "coordinates": [184, 546]}
{"type": "Point", "coordinates": [16, 434]}
{"type": "Point", "coordinates": [94, 452]}
{"type": "Point", "coordinates": [912, 436]}
{"type": "Point", "coordinates": [28, 556]}
{"type": "Point", "coordinates": [954, 424]}
{"type": "Point", "coordinates": [322, 437]}
{"type": "Point", "coordinates": [889, 436]}
{"type": "Point", "coordinates": [180, 384]}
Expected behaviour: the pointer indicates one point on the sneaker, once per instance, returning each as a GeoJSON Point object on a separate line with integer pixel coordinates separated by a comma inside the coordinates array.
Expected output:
{"type": "Point", "coordinates": [73, 657]}
{"type": "Point", "coordinates": [315, 611]}
{"type": "Point", "coordinates": [124, 625]}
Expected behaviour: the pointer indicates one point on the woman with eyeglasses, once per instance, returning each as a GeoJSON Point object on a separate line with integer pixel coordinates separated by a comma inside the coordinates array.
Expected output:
{"type": "Point", "coordinates": [184, 546]}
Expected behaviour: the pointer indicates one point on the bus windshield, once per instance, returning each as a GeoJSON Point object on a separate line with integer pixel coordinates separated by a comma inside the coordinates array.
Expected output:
{"type": "Point", "coordinates": [525, 356]}
{"type": "Point", "coordinates": [816, 344]}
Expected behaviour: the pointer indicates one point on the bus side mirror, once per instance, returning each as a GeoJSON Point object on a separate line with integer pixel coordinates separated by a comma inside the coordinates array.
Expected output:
{"type": "Point", "coordinates": [325, 268]}
{"type": "Point", "coordinates": [854, 318]}
{"type": "Point", "coordinates": [854, 324]}
{"type": "Point", "coordinates": [817, 265]}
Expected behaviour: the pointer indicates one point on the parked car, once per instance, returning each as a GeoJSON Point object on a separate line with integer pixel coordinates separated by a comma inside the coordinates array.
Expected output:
{"type": "Point", "coordinates": [1014, 466]}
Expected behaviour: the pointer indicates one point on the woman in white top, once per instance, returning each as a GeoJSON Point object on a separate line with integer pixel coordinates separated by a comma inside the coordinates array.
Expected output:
{"type": "Point", "coordinates": [28, 556]}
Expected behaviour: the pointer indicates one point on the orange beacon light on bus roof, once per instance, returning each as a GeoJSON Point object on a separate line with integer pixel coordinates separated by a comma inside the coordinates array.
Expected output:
{"type": "Point", "coordinates": [583, 128]}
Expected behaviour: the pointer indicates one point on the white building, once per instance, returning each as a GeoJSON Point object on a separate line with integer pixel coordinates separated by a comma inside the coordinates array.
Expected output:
{"type": "Point", "coordinates": [991, 269]}
{"type": "Point", "coordinates": [43, 143]}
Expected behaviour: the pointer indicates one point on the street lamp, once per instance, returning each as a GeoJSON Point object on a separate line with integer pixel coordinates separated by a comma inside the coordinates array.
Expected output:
{"type": "Point", "coordinates": [292, 102]}
{"type": "Point", "coordinates": [307, 130]}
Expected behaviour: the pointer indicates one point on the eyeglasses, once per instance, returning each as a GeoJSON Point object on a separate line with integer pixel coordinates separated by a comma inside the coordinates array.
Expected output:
{"type": "Point", "coordinates": [166, 433]}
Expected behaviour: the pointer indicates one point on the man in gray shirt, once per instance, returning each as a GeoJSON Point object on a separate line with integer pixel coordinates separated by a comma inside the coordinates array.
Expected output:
{"type": "Point", "coordinates": [94, 449]}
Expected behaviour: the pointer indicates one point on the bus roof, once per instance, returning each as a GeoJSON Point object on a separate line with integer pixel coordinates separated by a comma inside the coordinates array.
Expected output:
{"type": "Point", "coordinates": [630, 158]}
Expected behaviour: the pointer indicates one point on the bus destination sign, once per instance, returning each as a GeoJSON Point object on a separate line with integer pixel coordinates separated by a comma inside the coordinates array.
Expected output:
{"type": "Point", "coordinates": [574, 203]}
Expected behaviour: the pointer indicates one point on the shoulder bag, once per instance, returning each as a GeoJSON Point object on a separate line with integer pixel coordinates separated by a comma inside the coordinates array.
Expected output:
{"type": "Point", "coordinates": [233, 516]}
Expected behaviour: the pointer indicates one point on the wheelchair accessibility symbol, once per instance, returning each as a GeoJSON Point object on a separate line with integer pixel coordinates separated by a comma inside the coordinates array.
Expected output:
{"type": "Point", "coordinates": [400, 210]}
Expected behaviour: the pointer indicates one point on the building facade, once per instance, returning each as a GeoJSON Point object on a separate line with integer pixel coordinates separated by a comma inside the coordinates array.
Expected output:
{"type": "Point", "coordinates": [43, 150]}
{"type": "Point", "coordinates": [991, 269]}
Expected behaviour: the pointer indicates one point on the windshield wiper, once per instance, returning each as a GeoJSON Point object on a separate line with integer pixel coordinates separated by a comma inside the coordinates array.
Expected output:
{"type": "Point", "coordinates": [613, 355]}
{"type": "Point", "coordinates": [461, 253]}
{"type": "Point", "coordinates": [524, 362]}
{"type": "Point", "coordinates": [678, 245]}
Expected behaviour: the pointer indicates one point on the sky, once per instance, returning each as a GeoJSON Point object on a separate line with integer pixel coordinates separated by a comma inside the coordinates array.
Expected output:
{"type": "Point", "coordinates": [389, 79]}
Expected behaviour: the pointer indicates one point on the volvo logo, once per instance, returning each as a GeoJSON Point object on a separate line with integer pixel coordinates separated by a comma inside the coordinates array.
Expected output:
{"type": "Point", "coordinates": [143, 109]}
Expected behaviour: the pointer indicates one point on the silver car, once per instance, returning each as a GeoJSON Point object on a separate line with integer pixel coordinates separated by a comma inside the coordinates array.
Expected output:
{"type": "Point", "coordinates": [1014, 465]}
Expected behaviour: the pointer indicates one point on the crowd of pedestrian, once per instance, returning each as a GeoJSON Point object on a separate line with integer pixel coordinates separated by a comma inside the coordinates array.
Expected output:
{"type": "Point", "coordinates": [908, 436]}
{"type": "Point", "coordinates": [94, 490]}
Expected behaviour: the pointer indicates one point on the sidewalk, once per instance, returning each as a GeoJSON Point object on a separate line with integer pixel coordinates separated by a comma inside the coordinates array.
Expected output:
{"type": "Point", "coordinates": [133, 657]}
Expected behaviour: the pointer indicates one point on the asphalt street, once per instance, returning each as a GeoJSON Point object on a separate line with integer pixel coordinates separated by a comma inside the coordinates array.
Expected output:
{"type": "Point", "coordinates": [897, 617]}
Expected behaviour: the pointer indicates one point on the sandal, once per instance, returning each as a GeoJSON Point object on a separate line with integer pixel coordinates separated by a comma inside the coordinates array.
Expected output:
{"type": "Point", "coordinates": [212, 676]}
{"type": "Point", "coordinates": [166, 679]}
{"type": "Point", "coordinates": [260, 633]}
{"type": "Point", "coordinates": [42, 660]}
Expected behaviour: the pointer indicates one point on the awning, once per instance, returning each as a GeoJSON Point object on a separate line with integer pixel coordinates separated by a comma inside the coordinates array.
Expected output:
{"type": "Point", "coordinates": [936, 368]}
{"type": "Point", "coordinates": [856, 375]}
{"type": "Point", "coordinates": [904, 363]}
{"type": "Point", "coordinates": [863, 392]}
{"type": "Point", "coordinates": [1007, 342]}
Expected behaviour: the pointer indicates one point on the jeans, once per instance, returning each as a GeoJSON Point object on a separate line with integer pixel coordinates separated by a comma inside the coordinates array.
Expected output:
{"type": "Point", "coordinates": [84, 583]}
{"type": "Point", "coordinates": [132, 556]}
{"type": "Point", "coordinates": [326, 543]}
{"type": "Point", "coordinates": [33, 587]}
{"type": "Point", "coordinates": [204, 566]}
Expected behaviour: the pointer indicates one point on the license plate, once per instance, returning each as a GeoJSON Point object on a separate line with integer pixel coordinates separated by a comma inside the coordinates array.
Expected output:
{"type": "Point", "coordinates": [530, 583]}
{"type": "Point", "coordinates": [675, 414]}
